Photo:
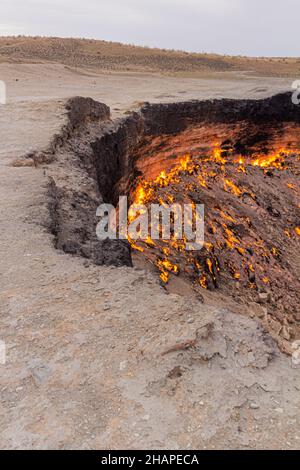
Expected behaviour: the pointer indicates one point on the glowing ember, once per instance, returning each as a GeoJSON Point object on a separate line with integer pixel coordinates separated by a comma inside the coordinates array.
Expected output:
{"type": "Point", "coordinates": [229, 184]}
{"type": "Point", "coordinates": [229, 235]}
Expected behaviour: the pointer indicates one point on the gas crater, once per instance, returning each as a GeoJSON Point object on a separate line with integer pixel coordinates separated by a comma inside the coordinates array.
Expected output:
{"type": "Point", "coordinates": [240, 158]}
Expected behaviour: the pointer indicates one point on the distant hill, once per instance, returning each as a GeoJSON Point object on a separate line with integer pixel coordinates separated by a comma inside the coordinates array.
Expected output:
{"type": "Point", "coordinates": [120, 57]}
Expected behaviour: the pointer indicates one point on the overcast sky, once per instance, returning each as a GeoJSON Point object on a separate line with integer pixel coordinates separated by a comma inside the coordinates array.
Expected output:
{"type": "Point", "coordinates": [247, 27]}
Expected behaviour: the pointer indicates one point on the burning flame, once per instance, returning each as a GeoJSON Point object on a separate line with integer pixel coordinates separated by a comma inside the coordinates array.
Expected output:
{"type": "Point", "coordinates": [229, 184]}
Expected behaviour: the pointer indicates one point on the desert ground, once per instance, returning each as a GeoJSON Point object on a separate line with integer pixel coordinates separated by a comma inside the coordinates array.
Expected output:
{"type": "Point", "coordinates": [92, 355]}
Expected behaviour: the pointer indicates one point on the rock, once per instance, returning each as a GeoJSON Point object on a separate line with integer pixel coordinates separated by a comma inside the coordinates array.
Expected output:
{"type": "Point", "coordinates": [200, 297]}
{"type": "Point", "coordinates": [40, 372]}
{"type": "Point", "coordinates": [239, 229]}
{"type": "Point", "coordinates": [274, 212]}
{"type": "Point", "coordinates": [285, 333]}
{"type": "Point", "coordinates": [189, 270]}
{"type": "Point", "coordinates": [297, 316]}
{"type": "Point", "coordinates": [23, 162]}
{"type": "Point", "coordinates": [278, 410]}
{"type": "Point", "coordinates": [263, 297]}
{"type": "Point", "coordinates": [296, 353]}
{"type": "Point", "coordinates": [123, 365]}
{"type": "Point", "coordinates": [254, 406]}
{"type": "Point", "coordinates": [274, 325]}
{"type": "Point", "coordinates": [258, 310]}
{"type": "Point", "coordinates": [176, 372]}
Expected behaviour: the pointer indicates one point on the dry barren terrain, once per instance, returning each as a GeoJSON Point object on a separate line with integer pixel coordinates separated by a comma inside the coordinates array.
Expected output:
{"type": "Point", "coordinates": [101, 357]}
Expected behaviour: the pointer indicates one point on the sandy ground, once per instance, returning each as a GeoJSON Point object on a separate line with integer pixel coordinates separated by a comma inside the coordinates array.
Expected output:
{"type": "Point", "coordinates": [102, 357]}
